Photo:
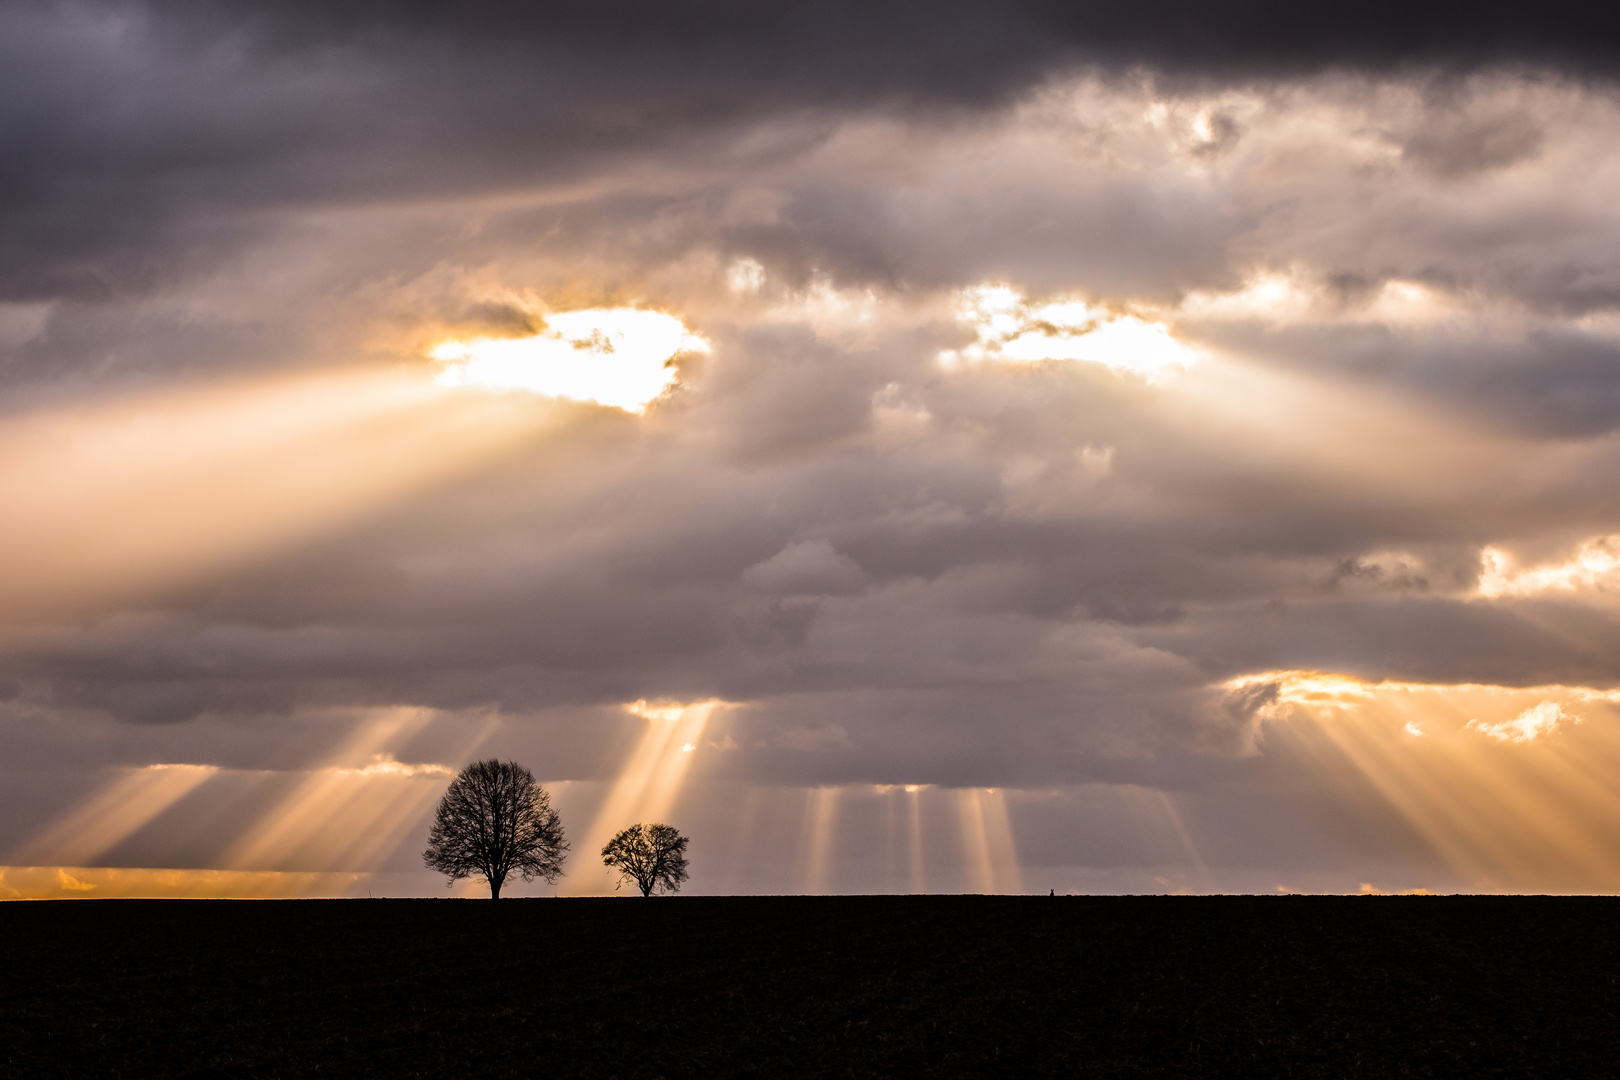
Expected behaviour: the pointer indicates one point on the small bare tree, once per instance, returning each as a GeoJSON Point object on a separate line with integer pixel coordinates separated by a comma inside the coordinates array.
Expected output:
{"type": "Point", "coordinates": [653, 856]}
{"type": "Point", "coordinates": [495, 820]}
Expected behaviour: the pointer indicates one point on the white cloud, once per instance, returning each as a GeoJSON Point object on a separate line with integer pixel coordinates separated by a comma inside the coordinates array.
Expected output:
{"type": "Point", "coordinates": [1533, 723]}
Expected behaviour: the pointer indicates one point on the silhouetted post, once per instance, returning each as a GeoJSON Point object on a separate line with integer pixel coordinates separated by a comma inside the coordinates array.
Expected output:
{"type": "Point", "coordinates": [495, 820]}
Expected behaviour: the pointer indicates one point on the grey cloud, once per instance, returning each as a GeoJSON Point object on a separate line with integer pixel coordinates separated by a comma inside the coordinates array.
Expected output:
{"type": "Point", "coordinates": [620, 561]}
{"type": "Point", "coordinates": [149, 141]}
{"type": "Point", "coordinates": [809, 567]}
{"type": "Point", "coordinates": [1549, 381]}
{"type": "Point", "coordinates": [1454, 147]}
{"type": "Point", "coordinates": [973, 42]}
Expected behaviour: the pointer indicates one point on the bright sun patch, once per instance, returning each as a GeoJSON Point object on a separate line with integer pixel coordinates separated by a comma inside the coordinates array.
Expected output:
{"type": "Point", "coordinates": [618, 357]}
{"type": "Point", "coordinates": [1010, 329]}
{"type": "Point", "coordinates": [1594, 567]}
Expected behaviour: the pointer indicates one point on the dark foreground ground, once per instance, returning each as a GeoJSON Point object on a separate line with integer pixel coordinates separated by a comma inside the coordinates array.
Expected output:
{"type": "Point", "coordinates": [782, 987]}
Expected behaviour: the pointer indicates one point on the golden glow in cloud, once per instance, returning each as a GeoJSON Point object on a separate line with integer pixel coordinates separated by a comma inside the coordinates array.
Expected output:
{"type": "Point", "coordinates": [1500, 783]}
{"type": "Point", "coordinates": [1326, 690]}
{"type": "Point", "coordinates": [1011, 329]}
{"type": "Point", "coordinates": [618, 357]}
{"type": "Point", "coordinates": [1594, 567]}
{"type": "Point", "coordinates": [1290, 299]}
{"type": "Point", "coordinates": [1533, 723]}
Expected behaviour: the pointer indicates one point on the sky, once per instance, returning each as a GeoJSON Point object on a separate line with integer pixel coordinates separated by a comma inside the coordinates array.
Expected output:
{"type": "Point", "coordinates": [950, 447]}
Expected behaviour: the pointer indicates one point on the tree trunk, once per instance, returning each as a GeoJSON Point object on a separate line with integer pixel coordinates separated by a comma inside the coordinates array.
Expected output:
{"type": "Point", "coordinates": [494, 889]}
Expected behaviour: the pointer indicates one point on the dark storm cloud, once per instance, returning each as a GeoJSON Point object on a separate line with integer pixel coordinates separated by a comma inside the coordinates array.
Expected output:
{"type": "Point", "coordinates": [146, 141]}
{"type": "Point", "coordinates": [969, 44]}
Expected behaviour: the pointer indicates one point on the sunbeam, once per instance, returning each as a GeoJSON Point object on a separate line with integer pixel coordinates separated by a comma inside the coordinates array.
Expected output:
{"type": "Point", "coordinates": [647, 786]}
{"type": "Point", "coordinates": [1515, 787]}
{"type": "Point", "coordinates": [1194, 859]}
{"type": "Point", "coordinates": [891, 879]}
{"type": "Point", "coordinates": [987, 841]}
{"type": "Point", "coordinates": [115, 500]}
{"type": "Point", "coordinates": [918, 878]}
{"type": "Point", "coordinates": [818, 837]}
{"type": "Point", "coordinates": [742, 835]}
{"type": "Point", "coordinates": [93, 828]}
{"type": "Point", "coordinates": [349, 814]}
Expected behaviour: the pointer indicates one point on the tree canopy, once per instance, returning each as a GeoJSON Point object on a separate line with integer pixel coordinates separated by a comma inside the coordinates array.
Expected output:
{"type": "Point", "coordinates": [653, 856]}
{"type": "Point", "coordinates": [493, 821]}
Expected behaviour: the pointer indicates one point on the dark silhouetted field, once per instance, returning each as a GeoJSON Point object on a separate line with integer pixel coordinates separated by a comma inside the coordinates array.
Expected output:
{"type": "Point", "coordinates": [869, 986]}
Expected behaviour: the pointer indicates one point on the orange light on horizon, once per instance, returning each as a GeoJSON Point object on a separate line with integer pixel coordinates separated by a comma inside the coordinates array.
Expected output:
{"type": "Point", "coordinates": [103, 882]}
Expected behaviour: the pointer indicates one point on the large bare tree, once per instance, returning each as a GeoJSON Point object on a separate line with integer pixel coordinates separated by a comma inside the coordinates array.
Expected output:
{"type": "Point", "coordinates": [653, 856]}
{"type": "Point", "coordinates": [493, 821]}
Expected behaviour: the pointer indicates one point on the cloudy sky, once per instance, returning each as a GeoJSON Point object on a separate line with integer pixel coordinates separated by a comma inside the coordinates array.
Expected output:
{"type": "Point", "coordinates": [909, 447]}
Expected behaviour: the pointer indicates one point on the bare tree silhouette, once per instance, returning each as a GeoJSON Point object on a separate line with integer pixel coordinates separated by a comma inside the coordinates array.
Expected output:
{"type": "Point", "coordinates": [495, 820]}
{"type": "Point", "coordinates": [653, 856]}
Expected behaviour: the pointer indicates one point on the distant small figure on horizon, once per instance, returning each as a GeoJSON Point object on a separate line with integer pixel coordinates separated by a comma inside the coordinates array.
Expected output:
{"type": "Point", "coordinates": [653, 856]}
{"type": "Point", "coordinates": [495, 820]}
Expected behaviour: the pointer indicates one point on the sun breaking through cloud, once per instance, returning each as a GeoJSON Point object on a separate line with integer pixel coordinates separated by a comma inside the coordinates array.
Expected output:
{"type": "Point", "coordinates": [1011, 329]}
{"type": "Point", "coordinates": [618, 357]}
